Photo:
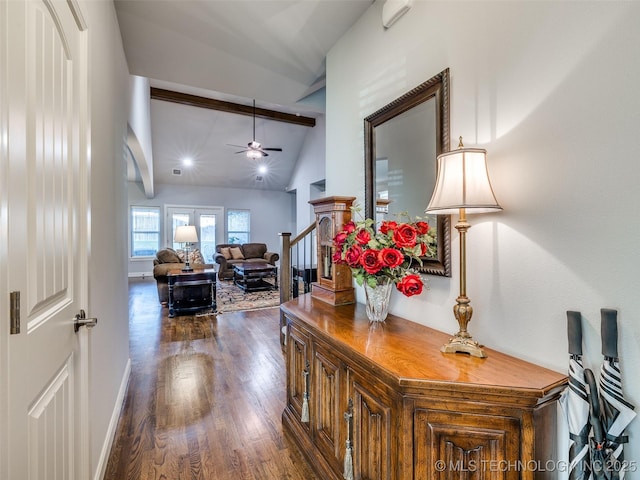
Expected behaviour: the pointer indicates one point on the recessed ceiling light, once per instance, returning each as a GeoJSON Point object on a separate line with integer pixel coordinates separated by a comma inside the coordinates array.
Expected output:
{"type": "Point", "coordinates": [187, 161]}
{"type": "Point", "coordinates": [262, 169]}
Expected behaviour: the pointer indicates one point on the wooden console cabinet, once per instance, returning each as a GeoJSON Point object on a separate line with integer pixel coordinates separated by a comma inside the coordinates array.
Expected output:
{"type": "Point", "coordinates": [406, 410]}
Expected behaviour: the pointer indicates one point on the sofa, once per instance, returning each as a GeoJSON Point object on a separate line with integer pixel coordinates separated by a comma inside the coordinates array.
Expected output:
{"type": "Point", "coordinates": [170, 259]}
{"type": "Point", "coordinates": [228, 254]}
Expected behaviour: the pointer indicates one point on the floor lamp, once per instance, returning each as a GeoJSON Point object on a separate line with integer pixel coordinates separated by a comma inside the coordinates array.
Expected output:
{"type": "Point", "coordinates": [186, 234]}
{"type": "Point", "coordinates": [463, 186]}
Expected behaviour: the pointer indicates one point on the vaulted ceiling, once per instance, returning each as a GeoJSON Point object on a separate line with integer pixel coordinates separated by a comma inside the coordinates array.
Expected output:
{"type": "Point", "coordinates": [235, 51]}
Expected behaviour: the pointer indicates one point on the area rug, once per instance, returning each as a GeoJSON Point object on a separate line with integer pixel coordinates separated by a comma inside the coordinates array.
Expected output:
{"type": "Point", "coordinates": [230, 298]}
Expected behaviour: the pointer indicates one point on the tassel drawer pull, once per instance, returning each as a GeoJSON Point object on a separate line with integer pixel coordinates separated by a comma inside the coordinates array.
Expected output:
{"type": "Point", "coordinates": [304, 416]}
{"type": "Point", "coordinates": [348, 455]}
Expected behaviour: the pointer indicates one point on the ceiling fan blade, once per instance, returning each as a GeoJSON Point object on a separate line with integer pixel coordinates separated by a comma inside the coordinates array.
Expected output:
{"type": "Point", "coordinates": [242, 151]}
{"type": "Point", "coordinates": [273, 149]}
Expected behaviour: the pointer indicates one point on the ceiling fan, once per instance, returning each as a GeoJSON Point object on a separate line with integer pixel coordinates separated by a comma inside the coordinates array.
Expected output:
{"type": "Point", "coordinates": [254, 149]}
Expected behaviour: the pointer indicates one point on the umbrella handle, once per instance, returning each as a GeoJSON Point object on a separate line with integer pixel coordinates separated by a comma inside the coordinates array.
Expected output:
{"type": "Point", "coordinates": [594, 411]}
{"type": "Point", "coordinates": [574, 332]}
{"type": "Point", "coordinates": [609, 333]}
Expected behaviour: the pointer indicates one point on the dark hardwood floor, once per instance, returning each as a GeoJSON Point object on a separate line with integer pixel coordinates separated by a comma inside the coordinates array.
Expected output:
{"type": "Point", "coordinates": [205, 397]}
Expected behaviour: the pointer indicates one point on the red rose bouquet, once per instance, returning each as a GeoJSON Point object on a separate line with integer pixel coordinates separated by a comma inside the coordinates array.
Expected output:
{"type": "Point", "coordinates": [393, 251]}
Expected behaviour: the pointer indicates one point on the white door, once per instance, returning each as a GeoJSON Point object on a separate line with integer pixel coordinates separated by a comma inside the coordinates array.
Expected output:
{"type": "Point", "coordinates": [44, 167]}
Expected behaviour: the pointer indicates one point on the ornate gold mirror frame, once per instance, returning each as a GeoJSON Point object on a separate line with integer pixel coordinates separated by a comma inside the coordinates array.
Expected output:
{"type": "Point", "coordinates": [432, 129]}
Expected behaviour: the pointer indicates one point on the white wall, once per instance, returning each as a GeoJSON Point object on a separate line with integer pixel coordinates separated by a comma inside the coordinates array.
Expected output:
{"type": "Point", "coordinates": [270, 210]}
{"type": "Point", "coordinates": [108, 294]}
{"type": "Point", "coordinates": [309, 169]}
{"type": "Point", "coordinates": [550, 89]}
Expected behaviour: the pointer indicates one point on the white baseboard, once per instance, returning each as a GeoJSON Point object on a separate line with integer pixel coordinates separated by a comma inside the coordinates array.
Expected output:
{"type": "Point", "coordinates": [113, 425]}
{"type": "Point", "coordinates": [140, 274]}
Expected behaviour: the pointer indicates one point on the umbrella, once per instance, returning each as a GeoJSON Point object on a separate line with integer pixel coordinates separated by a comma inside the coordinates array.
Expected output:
{"type": "Point", "coordinates": [575, 404]}
{"type": "Point", "coordinates": [597, 442]}
{"type": "Point", "coordinates": [616, 413]}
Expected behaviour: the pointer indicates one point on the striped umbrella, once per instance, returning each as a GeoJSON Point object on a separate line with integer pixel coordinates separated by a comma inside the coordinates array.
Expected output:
{"type": "Point", "coordinates": [616, 413]}
{"type": "Point", "coordinates": [575, 404]}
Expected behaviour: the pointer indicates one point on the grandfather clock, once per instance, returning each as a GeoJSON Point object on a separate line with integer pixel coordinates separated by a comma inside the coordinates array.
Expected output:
{"type": "Point", "coordinates": [334, 285]}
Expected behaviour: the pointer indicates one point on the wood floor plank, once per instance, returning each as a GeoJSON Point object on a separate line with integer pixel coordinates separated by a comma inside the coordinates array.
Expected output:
{"type": "Point", "coordinates": [205, 397]}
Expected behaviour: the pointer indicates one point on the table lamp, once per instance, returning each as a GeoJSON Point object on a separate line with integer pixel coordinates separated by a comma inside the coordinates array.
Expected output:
{"type": "Point", "coordinates": [463, 186]}
{"type": "Point", "coordinates": [186, 234]}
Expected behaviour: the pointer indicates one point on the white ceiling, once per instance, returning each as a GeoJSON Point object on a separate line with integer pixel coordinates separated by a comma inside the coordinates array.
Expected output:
{"type": "Point", "coordinates": [233, 50]}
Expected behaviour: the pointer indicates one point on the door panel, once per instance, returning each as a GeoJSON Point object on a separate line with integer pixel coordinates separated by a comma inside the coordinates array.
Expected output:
{"type": "Point", "coordinates": [47, 260]}
{"type": "Point", "coordinates": [49, 425]}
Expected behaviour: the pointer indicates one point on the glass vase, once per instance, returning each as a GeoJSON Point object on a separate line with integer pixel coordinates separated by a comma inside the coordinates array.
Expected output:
{"type": "Point", "coordinates": [377, 299]}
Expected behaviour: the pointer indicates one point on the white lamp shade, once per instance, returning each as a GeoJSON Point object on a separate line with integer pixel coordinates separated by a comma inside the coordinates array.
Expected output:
{"type": "Point", "coordinates": [463, 182]}
{"type": "Point", "coordinates": [186, 234]}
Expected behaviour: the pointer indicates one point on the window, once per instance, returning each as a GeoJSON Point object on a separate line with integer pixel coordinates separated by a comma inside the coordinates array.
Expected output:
{"type": "Point", "coordinates": [145, 231]}
{"type": "Point", "coordinates": [238, 226]}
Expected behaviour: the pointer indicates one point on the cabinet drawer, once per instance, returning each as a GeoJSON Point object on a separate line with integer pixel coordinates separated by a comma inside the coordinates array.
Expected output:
{"type": "Point", "coordinates": [453, 445]}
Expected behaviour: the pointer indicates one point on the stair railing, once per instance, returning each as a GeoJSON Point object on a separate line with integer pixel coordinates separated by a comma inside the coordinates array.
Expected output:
{"type": "Point", "coordinates": [298, 261]}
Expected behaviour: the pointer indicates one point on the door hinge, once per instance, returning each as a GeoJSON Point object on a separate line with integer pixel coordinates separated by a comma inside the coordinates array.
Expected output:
{"type": "Point", "coordinates": [14, 313]}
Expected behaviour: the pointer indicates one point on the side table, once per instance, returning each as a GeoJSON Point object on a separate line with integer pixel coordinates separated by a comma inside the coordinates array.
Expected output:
{"type": "Point", "coordinates": [191, 291]}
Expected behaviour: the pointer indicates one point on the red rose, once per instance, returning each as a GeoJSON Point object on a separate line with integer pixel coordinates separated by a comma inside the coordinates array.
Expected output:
{"type": "Point", "coordinates": [371, 261]}
{"type": "Point", "coordinates": [390, 257]}
{"type": "Point", "coordinates": [352, 257]}
{"type": "Point", "coordinates": [339, 239]}
{"type": "Point", "coordinates": [410, 285]}
{"type": "Point", "coordinates": [337, 257]}
{"type": "Point", "coordinates": [349, 227]}
{"type": "Point", "coordinates": [423, 249]}
{"type": "Point", "coordinates": [405, 236]}
{"type": "Point", "coordinates": [363, 237]}
{"type": "Point", "coordinates": [386, 226]}
{"type": "Point", "coordinates": [423, 227]}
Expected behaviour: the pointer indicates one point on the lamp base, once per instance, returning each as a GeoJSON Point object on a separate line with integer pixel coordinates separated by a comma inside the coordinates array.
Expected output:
{"type": "Point", "coordinates": [187, 268]}
{"type": "Point", "coordinates": [462, 344]}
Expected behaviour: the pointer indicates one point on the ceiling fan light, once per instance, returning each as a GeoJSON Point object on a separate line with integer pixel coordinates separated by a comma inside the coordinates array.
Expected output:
{"type": "Point", "coordinates": [254, 154]}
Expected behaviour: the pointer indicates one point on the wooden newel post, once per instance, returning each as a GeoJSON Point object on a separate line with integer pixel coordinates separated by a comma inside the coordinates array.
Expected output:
{"type": "Point", "coordinates": [285, 267]}
{"type": "Point", "coordinates": [285, 279]}
{"type": "Point", "coordinates": [334, 285]}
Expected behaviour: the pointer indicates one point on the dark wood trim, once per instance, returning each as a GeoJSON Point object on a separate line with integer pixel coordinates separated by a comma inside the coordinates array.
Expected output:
{"type": "Point", "coordinates": [230, 107]}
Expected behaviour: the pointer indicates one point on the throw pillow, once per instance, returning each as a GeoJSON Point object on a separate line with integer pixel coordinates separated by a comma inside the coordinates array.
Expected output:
{"type": "Point", "coordinates": [236, 253]}
{"type": "Point", "coordinates": [225, 251]}
{"type": "Point", "coordinates": [168, 255]}
{"type": "Point", "coordinates": [195, 257]}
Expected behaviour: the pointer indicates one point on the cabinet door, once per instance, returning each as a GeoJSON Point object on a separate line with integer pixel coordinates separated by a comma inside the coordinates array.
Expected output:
{"type": "Point", "coordinates": [328, 405]}
{"type": "Point", "coordinates": [298, 352]}
{"type": "Point", "coordinates": [372, 429]}
{"type": "Point", "coordinates": [451, 446]}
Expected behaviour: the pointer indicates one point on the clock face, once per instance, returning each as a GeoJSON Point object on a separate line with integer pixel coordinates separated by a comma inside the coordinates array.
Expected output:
{"type": "Point", "coordinates": [325, 232]}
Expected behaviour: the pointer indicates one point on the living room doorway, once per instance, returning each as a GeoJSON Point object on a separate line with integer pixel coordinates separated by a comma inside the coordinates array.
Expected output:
{"type": "Point", "coordinates": [209, 223]}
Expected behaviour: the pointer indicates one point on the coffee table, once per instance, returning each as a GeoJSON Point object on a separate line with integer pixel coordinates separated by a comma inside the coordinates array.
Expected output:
{"type": "Point", "coordinates": [249, 276]}
{"type": "Point", "coordinates": [191, 291]}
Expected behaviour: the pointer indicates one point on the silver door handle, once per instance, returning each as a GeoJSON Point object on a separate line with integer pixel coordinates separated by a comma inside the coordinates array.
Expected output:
{"type": "Point", "coordinates": [83, 321]}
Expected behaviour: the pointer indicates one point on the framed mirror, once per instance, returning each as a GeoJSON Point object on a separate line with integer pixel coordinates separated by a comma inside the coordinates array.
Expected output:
{"type": "Point", "coordinates": [402, 142]}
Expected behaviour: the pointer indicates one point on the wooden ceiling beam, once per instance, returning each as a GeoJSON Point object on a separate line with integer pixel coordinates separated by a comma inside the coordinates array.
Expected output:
{"type": "Point", "coordinates": [213, 104]}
